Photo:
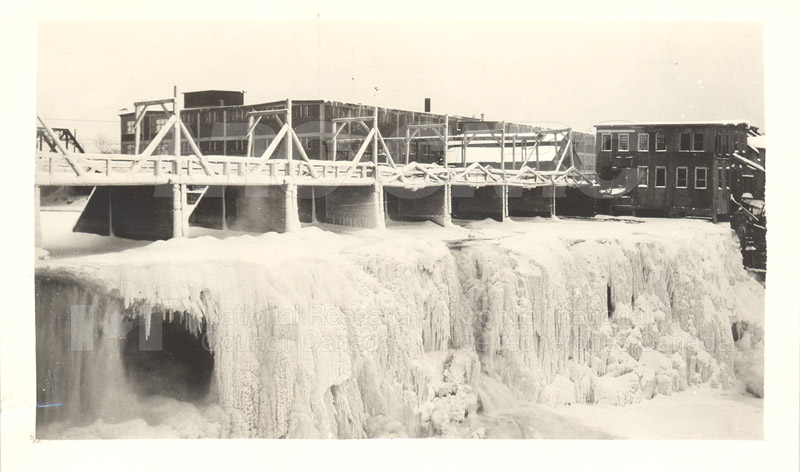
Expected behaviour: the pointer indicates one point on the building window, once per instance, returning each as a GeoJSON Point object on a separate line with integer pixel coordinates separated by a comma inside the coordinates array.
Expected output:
{"type": "Point", "coordinates": [701, 177]}
{"type": "Point", "coordinates": [160, 122]}
{"type": "Point", "coordinates": [644, 142]}
{"type": "Point", "coordinates": [686, 142]}
{"type": "Point", "coordinates": [661, 177]}
{"type": "Point", "coordinates": [644, 176]}
{"type": "Point", "coordinates": [129, 127]}
{"type": "Point", "coordinates": [681, 177]}
{"type": "Point", "coordinates": [606, 141]}
{"type": "Point", "coordinates": [661, 142]}
{"type": "Point", "coordinates": [698, 142]}
{"type": "Point", "coordinates": [720, 177]}
{"type": "Point", "coordinates": [623, 141]}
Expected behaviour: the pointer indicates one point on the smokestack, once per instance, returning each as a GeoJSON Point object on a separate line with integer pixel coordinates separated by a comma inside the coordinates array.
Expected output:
{"type": "Point", "coordinates": [481, 116]}
{"type": "Point", "coordinates": [427, 105]}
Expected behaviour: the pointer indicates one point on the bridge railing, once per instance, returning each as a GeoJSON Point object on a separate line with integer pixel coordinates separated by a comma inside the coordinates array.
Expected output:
{"type": "Point", "coordinates": [94, 169]}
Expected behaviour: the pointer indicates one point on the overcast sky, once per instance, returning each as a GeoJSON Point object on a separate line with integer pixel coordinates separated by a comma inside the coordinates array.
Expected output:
{"type": "Point", "coordinates": [578, 74]}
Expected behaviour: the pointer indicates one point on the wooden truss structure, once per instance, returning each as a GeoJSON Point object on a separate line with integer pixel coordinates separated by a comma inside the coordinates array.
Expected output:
{"type": "Point", "coordinates": [145, 167]}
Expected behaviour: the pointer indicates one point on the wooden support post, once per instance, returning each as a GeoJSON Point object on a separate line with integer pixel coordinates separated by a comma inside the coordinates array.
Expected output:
{"type": "Point", "coordinates": [448, 203]}
{"type": "Point", "coordinates": [375, 142]}
{"type": "Point", "coordinates": [514, 152]}
{"type": "Point", "coordinates": [184, 211]}
{"type": "Point", "coordinates": [290, 207]}
{"type": "Point", "coordinates": [553, 204]}
{"type": "Point", "coordinates": [714, 189]}
{"type": "Point", "coordinates": [176, 131]}
{"type": "Point", "coordinates": [463, 146]}
{"type": "Point", "coordinates": [224, 132]}
{"type": "Point", "coordinates": [224, 210]}
{"type": "Point", "coordinates": [503, 150]}
{"type": "Point", "coordinates": [288, 139]}
{"type": "Point", "coordinates": [380, 215]}
{"type": "Point", "coordinates": [250, 135]}
{"type": "Point", "coordinates": [136, 128]}
{"type": "Point", "coordinates": [571, 146]}
{"type": "Point", "coordinates": [313, 205]}
{"type": "Point", "coordinates": [408, 144]}
{"type": "Point", "coordinates": [37, 222]}
{"type": "Point", "coordinates": [177, 211]}
{"type": "Point", "coordinates": [445, 138]}
{"type": "Point", "coordinates": [538, 142]}
{"type": "Point", "coordinates": [335, 139]}
{"type": "Point", "coordinates": [504, 197]}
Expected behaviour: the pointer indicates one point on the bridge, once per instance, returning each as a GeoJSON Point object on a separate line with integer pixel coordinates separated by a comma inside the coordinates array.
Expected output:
{"type": "Point", "coordinates": [155, 196]}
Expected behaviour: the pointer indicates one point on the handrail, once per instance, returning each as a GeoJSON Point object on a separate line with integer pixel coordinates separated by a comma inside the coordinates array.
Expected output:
{"type": "Point", "coordinates": [236, 170]}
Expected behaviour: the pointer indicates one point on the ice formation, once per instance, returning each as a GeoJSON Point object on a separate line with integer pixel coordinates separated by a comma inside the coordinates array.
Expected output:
{"type": "Point", "coordinates": [409, 332]}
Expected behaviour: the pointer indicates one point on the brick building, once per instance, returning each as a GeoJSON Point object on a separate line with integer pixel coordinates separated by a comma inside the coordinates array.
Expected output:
{"type": "Point", "coordinates": [671, 169]}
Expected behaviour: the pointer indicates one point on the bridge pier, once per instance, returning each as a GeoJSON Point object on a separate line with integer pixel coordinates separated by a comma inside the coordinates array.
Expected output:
{"type": "Point", "coordinates": [478, 203]}
{"type": "Point", "coordinates": [552, 201]}
{"type": "Point", "coordinates": [145, 212]}
{"type": "Point", "coordinates": [358, 206]}
{"type": "Point", "coordinates": [425, 204]}
{"type": "Point", "coordinates": [537, 201]}
{"type": "Point", "coordinates": [262, 208]}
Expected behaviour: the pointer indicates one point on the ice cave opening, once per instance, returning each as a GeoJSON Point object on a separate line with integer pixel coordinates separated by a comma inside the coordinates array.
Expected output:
{"type": "Point", "coordinates": [171, 362]}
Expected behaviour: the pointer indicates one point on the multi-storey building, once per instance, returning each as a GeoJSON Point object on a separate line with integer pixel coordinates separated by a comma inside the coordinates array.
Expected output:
{"type": "Point", "coordinates": [672, 169]}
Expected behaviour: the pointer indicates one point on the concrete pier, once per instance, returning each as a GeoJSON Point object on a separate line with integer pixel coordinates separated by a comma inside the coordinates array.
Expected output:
{"type": "Point", "coordinates": [133, 212]}
{"type": "Point", "coordinates": [262, 208]}
{"type": "Point", "coordinates": [478, 203]}
{"type": "Point", "coordinates": [358, 206]}
{"type": "Point", "coordinates": [427, 204]}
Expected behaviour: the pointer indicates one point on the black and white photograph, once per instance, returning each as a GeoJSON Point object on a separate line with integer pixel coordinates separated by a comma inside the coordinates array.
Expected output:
{"type": "Point", "coordinates": [402, 227]}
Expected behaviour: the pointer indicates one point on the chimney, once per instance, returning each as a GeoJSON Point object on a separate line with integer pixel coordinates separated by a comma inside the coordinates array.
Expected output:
{"type": "Point", "coordinates": [427, 105]}
{"type": "Point", "coordinates": [481, 116]}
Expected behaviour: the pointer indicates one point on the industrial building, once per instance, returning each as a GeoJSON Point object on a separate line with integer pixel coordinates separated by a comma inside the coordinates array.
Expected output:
{"type": "Point", "coordinates": [672, 169]}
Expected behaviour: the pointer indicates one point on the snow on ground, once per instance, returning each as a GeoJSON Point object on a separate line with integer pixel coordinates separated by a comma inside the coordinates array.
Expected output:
{"type": "Point", "coordinates": [698, 413]}
{"type": "Point", "coordinates": [478, 329]}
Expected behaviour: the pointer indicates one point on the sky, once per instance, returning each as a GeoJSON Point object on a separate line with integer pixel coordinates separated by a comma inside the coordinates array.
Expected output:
{"type": "Point", "coordinates": [576, 74]}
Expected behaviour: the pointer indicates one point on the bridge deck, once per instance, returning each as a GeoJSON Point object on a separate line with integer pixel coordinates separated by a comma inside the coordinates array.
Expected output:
{"type": "Point", "coordinates": [53, 168]}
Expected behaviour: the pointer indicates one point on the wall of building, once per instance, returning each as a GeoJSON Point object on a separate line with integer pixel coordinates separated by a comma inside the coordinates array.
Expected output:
{"type": "Point", "coordinates": [711, 150]}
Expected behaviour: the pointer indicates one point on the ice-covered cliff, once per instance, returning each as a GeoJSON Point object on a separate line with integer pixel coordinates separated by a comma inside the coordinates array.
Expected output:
{"type": "Point", "coordinates": [413, 331]}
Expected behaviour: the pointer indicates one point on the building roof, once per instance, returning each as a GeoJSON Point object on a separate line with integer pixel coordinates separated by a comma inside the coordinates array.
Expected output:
{"type": "Point", "coordinates": [616, 124]}
{"type": "Point", "coordinates": [214, 90]}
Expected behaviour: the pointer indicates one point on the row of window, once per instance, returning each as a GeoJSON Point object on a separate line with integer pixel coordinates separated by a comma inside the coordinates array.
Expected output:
{"type": "Point", "coordinates": [681, 177]}
{"type": "Point", "coordinates": [689, 142]}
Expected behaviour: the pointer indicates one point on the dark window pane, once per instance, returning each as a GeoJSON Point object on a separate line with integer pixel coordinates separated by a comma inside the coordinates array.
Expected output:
{"type": "Point", "coordinates": [698, 142]}
{"type": "Point", "coordinates": [685, 143]}
{"type": "Point", "coordinates": [661, 176]}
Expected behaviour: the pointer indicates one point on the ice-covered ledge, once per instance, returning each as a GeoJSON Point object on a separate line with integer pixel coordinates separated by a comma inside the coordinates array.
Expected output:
{"type": "Point", "coordinates": [420, 329]}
